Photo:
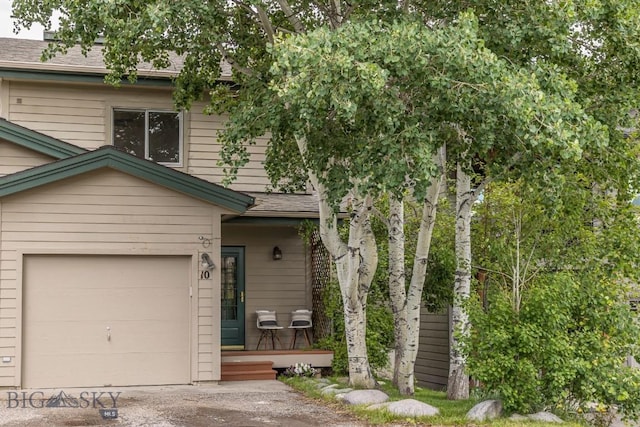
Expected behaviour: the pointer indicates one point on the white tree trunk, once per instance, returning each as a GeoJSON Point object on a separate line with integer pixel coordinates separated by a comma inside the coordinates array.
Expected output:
{"type": "Point", "coordinates": [355, 263]}
{"type": "Point", "coordinates": [397, 293]}
{"type": "Point", "coordinates": [406, 305]}
{"type": "Point", "coordinates": [458, 383]}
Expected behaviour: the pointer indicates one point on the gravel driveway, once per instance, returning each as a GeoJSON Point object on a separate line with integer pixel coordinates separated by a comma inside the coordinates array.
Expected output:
{"type": "Point", "coordinates": [241, 403]}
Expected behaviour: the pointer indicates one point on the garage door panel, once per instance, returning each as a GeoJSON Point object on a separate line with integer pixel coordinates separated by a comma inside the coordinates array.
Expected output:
{"type": "Point", "coordinates": [92, 306]}
{"type": "Point", "coordinates": [125, 337]}
{"type": "Point", "coordinates": [70, 301]}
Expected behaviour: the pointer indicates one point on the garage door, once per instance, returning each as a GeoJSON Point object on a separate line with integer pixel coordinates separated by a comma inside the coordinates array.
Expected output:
{"type": "Point", "coordinates": [105, 320]}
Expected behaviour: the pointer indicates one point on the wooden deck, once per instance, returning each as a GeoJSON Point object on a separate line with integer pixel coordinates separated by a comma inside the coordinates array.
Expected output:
{"type": "Point", "coordinates": [281, 358]}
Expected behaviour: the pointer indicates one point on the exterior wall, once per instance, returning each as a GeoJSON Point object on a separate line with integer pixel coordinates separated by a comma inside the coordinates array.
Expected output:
{"type": "Point", "coordinates": [14, 158]}
{"type": "Point", "coordinates": [107, 212]}
{"type": "Point", "coordinates": [81, 115]}
{"type": "Point", "coordinates": [204, 153]}
{"type": "Point", "coordinates": [432, 363]}
{"type": "Point", "coordinates": [274, 285]}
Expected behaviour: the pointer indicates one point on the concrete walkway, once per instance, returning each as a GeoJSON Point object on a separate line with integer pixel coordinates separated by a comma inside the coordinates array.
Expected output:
{"type": "Point", "coordinates": [238, 403]}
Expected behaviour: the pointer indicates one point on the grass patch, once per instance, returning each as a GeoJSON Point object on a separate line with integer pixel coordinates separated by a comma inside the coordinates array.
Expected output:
{"type": "Point", "coordinates": [451, 412]}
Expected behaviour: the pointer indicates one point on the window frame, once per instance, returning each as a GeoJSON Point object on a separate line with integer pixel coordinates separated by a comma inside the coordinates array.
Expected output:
{"type": "Point", "coordinates": [146, 112]}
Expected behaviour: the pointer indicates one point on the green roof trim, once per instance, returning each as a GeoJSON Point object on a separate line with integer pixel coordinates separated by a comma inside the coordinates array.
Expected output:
{"type": "Point", "coordinates": [37, 141]}
{"type": "Point", "coordinates": [76, 77]}
{"type": "Point", "coordinates": [110, 157]}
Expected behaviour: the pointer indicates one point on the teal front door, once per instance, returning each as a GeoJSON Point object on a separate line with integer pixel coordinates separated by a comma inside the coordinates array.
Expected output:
{"type": "Point", "coordinates": [232, 296]}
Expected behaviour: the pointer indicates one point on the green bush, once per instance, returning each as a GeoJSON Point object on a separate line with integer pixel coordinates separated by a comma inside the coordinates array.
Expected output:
{"type": "Point", "coordinates": [564, 349]}
{"type": "Point", "coordinates": [379, 330]}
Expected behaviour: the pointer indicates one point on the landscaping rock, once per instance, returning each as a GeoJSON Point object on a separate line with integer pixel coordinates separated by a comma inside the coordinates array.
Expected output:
{"type": "Point", "coordinates": [328, 391]}
{"type": "Point", "coordinates": [375, 406]}
{"type": "Point", "coordinates": [342, 392]}
{"type": "Point", "coordinates": [545, 417]}
{"type": "Point", "coordinates": [324, 387]}
{"type": "Point", "coordinates": [365, 397]}
{"type": "Point", "coordinates": [412, 408]}
{"type": "Point", "coordinates": [518, 417]}
{"type": "Point", "coordinates": [487, 410]}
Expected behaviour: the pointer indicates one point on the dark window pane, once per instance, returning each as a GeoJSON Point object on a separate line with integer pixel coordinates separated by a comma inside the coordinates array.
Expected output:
{"type": "Point", "coordinates": [128, 131]}
{"type": "Point", "coordinates": [229, 300]}
{"type": "Point", "coordinates": [164, 137]}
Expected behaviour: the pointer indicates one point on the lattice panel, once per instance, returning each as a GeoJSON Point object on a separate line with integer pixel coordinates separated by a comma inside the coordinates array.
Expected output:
{"type": "Point", "coordinates": [320, 276]}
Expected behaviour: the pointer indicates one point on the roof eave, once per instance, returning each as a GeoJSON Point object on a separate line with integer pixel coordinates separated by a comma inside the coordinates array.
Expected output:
{"type": "Point", "coordinates": [37, 141]}
{"type": "Point", "coordinates": [112, 158]}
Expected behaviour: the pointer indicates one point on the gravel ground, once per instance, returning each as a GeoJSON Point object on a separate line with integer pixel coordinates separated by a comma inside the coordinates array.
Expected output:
{"type": "Point", "coordinates": [242, 403]}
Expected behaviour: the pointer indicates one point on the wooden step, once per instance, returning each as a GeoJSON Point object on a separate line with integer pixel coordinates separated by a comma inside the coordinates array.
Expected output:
{"type": "Point", "coordinates": [244, 371]}
{"type": "Point", "coordinates": [247, 376]}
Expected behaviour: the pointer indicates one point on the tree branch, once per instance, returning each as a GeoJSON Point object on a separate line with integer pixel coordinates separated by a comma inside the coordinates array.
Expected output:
{"type": "Point", "coordinates": [291, 16]}
{"type": "Point", "coordinates": [229, 60]}
{"type": "Point", "coordinates": [266, 24]}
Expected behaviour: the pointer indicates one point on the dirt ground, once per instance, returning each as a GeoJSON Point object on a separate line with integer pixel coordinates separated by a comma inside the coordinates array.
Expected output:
{"type": "Point", "coordinates": [242, 403]}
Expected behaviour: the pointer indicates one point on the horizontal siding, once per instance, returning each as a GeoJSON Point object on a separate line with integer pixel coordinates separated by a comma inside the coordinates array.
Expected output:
{"type": "Point", "coordinates": [432, 362]}
{"type": "Point", "coordinates": [78, 114]}
{"type": "Point", "coordinates": [81, 114]}
{"type": "Point", "coordinates": [104, 211]}
{"type": "Point", "coordinates": [204, 149]}
{"type": "Point", "coordinates": [271, 285]}
{"type": "Point", "coordinates": [14, 158]}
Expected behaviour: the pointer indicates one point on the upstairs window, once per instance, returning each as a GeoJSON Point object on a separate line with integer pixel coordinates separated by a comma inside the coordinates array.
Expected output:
{"type": "Point", "coordinates": [149, 134]}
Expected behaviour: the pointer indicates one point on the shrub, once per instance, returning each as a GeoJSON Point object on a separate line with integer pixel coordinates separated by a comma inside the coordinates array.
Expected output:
{"type": "Point", "coordinates": [565, 348]}
{"type": "Point", "coordinates": [379, 330]}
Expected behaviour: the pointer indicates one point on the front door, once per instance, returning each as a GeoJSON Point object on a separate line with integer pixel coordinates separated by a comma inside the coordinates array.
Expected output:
{"type": "Point", "coordinates": [232, 296]}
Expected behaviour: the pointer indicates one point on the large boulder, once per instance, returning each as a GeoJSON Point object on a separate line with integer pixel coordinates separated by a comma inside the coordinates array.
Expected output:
{"type": "Point", "coordinates": [412, 408]}
{"type": "Point", "coordinates": [487, 410]}
{"type": "Point", "coordinates": [365, 397]}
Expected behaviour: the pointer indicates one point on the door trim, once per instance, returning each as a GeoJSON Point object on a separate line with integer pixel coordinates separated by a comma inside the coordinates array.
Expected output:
{"type": "Point", "coordinates": [239, 252]}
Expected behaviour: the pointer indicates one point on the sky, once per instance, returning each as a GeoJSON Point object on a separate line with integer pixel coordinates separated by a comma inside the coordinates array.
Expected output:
{"type": "Point", "coordinates": [6, 24]}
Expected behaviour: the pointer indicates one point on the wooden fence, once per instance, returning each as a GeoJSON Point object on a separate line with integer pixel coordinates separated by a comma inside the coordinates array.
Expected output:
{"type": "Point", "coordinates": [432, 363]}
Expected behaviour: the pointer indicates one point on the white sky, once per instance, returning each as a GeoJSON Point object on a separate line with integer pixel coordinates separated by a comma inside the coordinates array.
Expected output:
{"type": "Point", "coordinates": [6, 24]}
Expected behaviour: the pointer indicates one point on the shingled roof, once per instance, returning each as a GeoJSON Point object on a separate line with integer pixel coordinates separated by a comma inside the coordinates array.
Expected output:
{"type": "Point", "coordinates": [25, 54]}
{"type": "Point", "coordinates": [289, 205]}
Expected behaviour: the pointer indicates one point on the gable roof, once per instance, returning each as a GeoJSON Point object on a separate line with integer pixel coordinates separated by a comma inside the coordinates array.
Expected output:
{"type": "Point", "coordinates": [37, 141]}
{"type": "Point", "coordinates": [110, 157]}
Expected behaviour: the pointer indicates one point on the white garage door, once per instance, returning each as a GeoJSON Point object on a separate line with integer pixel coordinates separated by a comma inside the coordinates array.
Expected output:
{"type": "Point", "coordinates": [105, 320]}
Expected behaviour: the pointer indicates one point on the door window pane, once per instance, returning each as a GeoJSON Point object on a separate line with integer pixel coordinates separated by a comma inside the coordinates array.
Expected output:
{"type": "Point", "coordinates": [229, 303]}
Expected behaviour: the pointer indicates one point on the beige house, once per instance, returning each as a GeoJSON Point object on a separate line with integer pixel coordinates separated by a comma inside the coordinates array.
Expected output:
{"type": "Point", "coordinates": [122, 261]}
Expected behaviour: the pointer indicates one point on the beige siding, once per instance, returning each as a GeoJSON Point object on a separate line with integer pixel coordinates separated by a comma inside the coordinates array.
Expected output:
{"type": "Point", "coordinates": [107, 212]}
{"type": "Point", "coordinates": [81, 115]}
{"type": "Point", "coordinates": [73, 114]}
{"type": "Point", "coordinates": [204, 154]}
{"type": "Point", "coordinates": [274, 285]}
{"type": "Point", "coordinates": [432, 363]}
{"type": "Point", "coordinates": [14, 158]}
{"type": "Point", "coordinates": [78, 114]}
{"type": "Point", "coordinates": [4, 98]}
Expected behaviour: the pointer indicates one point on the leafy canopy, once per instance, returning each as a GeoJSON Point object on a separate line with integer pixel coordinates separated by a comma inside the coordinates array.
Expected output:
{"type": "Point", "coordinates": [373, 113]}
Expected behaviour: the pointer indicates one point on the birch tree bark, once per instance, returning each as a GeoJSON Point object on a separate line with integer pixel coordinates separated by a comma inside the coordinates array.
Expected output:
{"type": "Point", "coordinates": [406, 304]}
{"type": "Point", "coordinates": [458, 382]}
{"type": "Point", "coordinates": [355, 262]}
